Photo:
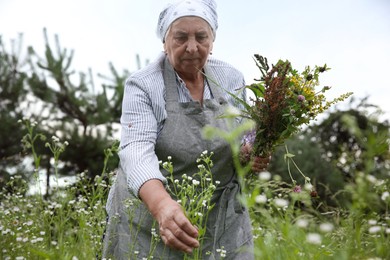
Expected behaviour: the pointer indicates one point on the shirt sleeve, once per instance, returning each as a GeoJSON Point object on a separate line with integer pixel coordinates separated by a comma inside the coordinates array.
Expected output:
{"type": "Point", "coordinates": [138, 136]}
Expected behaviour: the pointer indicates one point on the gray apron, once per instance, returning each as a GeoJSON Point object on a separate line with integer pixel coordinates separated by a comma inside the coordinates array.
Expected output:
{"type": "Point", "coordinates": [131, 231]}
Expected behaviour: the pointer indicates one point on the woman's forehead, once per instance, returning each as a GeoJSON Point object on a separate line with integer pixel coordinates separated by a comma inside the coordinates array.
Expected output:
{"type": "Point", "coordinates": [192, 23]}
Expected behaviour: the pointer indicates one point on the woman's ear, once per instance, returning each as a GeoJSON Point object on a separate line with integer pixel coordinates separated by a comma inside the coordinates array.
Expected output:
{"type": "Point", "coordinates": [165, 47]}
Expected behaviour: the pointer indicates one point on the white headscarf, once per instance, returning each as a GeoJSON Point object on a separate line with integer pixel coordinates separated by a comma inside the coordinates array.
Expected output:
{"type": "Point", "coordinates": [205, 9]}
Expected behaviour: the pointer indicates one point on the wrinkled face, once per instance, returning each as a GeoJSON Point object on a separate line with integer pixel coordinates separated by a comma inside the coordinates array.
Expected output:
{"type": "Point", "coordinates": [188, 43]}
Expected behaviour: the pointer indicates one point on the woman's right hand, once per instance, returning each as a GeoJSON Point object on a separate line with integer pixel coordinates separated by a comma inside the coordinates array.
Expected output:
{"type": "Point", "coordinates": [176, 230]}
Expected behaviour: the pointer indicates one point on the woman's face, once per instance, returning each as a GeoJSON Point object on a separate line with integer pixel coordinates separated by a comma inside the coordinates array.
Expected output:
{"type": "Point", "coordinates": [188, 43]}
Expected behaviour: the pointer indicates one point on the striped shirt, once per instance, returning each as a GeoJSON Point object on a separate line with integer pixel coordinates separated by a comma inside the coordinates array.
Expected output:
{"type": "Point", "coordinates": [143, 115]}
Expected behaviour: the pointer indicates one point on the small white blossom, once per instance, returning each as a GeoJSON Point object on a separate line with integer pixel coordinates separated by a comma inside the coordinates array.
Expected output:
{"type": "Point", "coordinates": [372, 222]}
{"type": "Point", "coordinates": [264, 176]}
{"type": "Point", "coordinates": [385, 195]}
{"type": "Point", "coordinates": [326, 227]}
{"type": "Point", "coordinates": [302, 223]}
{"type": "Point", "coordinates": [261, 199]}
{"type": "Point", "coordinates": [314, 238]}
{"type": "Point", "coordinates": [280, 203]}
{"type": "Point", "coordinates": [371, 179]}
{"type": "Point", "coordinates": [308, 186]}
{"type": "Point", "coordinates": [374, 229]}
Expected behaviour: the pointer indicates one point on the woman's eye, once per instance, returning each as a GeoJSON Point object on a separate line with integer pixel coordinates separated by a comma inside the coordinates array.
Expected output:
{"type": "Point", "coordinates": [201, 38]}
{"type": "Point", "coordinates": [181, 38]}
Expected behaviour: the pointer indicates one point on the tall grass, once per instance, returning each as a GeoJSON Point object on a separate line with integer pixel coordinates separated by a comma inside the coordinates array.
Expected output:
{"type": "Point", "coordinates": [288, 223]}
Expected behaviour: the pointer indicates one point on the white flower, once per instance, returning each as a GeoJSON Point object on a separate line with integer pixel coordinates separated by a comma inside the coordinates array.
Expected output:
{"type": "Point", "coordinates": [385, 195]}
{"type": "Point", "coordinates": [374, 229]}
{"type": "Point", "coordinates": [280, 203]}
{"type": "Point", "coordinates": [372, 222]}
{"type": "Point", "coordinates": [169, 158]}
{"type": "Point", "coordinates": [264, 176]}
{"type": "Point", "coordinates": [302, 223]}
{"type": "Point", "coordinates": [326, 227]}
{"type": "Point", "coordinates": [261, 199]}
{"type": "Point", "coordinates": [371, 178]}
{"type": "Point", "coordinates": [308, 186]}
{"type": "Point", "coordinates": [195, 182]}
{"type": "Point", "coordinates": [201, 166]}
{"type": "Point", "coordinates": [314, 238]}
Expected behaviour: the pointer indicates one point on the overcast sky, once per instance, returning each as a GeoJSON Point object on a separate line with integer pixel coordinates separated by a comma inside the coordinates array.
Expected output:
{"type": "Point", "coordinates": [350, 36]}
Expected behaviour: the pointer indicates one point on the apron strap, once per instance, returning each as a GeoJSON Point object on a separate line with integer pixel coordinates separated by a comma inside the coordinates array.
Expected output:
{"type": "Point", "coordinates": [172, 94]}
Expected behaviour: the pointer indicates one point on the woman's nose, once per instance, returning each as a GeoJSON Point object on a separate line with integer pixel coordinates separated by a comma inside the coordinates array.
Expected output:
{"type": "Point", "coordinates": [192, 46]}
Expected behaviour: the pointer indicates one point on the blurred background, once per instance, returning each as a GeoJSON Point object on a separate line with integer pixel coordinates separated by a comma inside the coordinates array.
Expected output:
{"type": "Point", "coordinates": [351, 36]}
{"type": "Point", "coordinates": [63, 65]}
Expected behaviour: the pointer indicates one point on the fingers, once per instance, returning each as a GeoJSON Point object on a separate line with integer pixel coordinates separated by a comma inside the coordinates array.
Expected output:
{"type": "Point", "coordinates": [176, 236]}
{"type": "Point", "coordinates": [176, 230]}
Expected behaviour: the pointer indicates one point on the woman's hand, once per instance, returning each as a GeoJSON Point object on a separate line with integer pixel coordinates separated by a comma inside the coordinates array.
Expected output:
{"type": "Point", "coordinates": [176, 230]}
{"type": "Point", "coordinates": [259, 164]}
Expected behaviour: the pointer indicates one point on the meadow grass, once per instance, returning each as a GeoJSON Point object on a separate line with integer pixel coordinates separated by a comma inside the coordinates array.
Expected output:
{"type": "Point", "coordinates": [288, 223]}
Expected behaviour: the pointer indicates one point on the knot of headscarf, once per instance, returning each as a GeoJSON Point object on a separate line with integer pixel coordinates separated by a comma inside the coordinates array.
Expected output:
{"type": "Point", "coordinates": [205, 9]}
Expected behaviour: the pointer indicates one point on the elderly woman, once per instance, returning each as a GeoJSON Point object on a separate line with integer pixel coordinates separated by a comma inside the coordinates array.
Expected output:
{"type": "Point", "coordinates": [165, 107]}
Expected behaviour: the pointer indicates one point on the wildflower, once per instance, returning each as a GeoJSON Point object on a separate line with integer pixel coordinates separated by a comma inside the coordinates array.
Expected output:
{"type": "Point", "coordinates": [374, 229]}
{"type": "Point", "coordinates": [301, 98]}
{"type": "Point", "coordinates": [326, 227]}
{"type": "Point", "coordinates": [297, 189]}
{"type": "Point", "coordinates": [314, 238]}
{"type": "Point", "coordinates": [372, 222]}
{"type": "Point", "coordinates": [302, 223]}
{"type": "Point", "coordinates": [371, 179]}
{"type": "Point", "coordinates": [385, 195]}
{"type": "Point", "coordinates": [280, 203]}
{"type": "Point", "coordinates": [308, 186]}
{"type": "Point", "coordinates": [261, 199]}
{"type": "Point", "coordinates": [264, 176]}
{"type": "Point", "coordinates": [195, 182]}
{"type": "Point", "coordinates": [55, 139]}
{"type": "Point", "coordinates": [201, 167]}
